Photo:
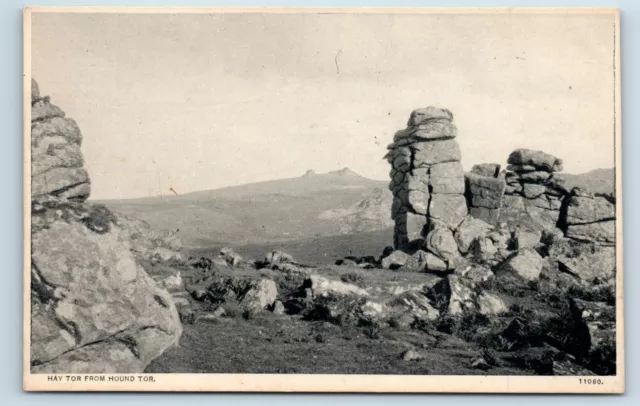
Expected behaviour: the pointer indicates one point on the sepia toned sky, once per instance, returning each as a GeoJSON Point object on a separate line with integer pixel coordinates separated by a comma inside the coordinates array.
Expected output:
{"type": "Point", "coordinates": [202, 101]}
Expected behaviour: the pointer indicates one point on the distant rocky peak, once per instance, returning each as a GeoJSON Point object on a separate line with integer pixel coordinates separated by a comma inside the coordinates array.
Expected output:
{"type": "Point", "coordinates": [344, 172]}
{"type": "Point", "coordinates": [308, 173]}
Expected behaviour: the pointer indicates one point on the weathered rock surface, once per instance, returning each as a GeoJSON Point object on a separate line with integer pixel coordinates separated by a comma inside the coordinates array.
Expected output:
{"type": "Point", "coordinates": [526, 264]}
{"type": "Point", "coordinates": [470, 229]}
{"type": "Point", "coordinates": [455, 295]}
{"type": "Point", "coordinates": [261, 295]}
{"type": "Point", "coordinates": [94, 309]}
{"type": "Point", "coordinates": [488, 170]}
{"type": "Point", "coordinates": [324, 287]}
{"type": "Point", "coordinates": [536, 159]}
{"type": "Point", "coordinates": [56, 159]}
{"type": "Point", "coordinates": [590, 218]}
{"type": "Point", "coordinates": [148, 243]}
{"type": "Point", "coordinates": [395, 260]}
{"type": "Point", "coordinates": [451, 210]}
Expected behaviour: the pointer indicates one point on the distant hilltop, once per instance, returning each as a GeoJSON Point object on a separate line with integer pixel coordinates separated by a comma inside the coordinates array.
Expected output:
{"type": "Point", "coordinates": [346, 171]}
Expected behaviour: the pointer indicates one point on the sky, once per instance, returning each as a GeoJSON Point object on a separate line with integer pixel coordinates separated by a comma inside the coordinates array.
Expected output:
{"type": "Point", "coordinates": [203, 101]}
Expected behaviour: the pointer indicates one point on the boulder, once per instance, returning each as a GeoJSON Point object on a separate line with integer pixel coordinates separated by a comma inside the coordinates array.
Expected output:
{"type": "Point", "coordinates": [424, 115]}
{"type": "Point", "coordinates": [418, 201]}
{"type": "Point", "coordinates": [483, 250]}
{"type": "Point", "coordinates": [416, 262]}
{"type": "Point", "coordinates": [429, 153]}
{"type": "Point", "coordinates": [275, 258]}
{"type": "Point", "coordinates": [410, 305]}
{"type": "Point", "coordinates": [470, 229]}
{"type": "Point", "coordinates": [435, 263]}
{"type": "Point", "coordinates": [485, 191]}
{"type": "Point", "coordinates": [435, 130]}
{"type": "Point", "coordinates": [535, 177]}
{"type": "Point", "coordinates": [93, 307]}
{"type": "Point", "coordinates": [477, 274]}
{"type": "Point", "coordinates": [261, 294]}
{"type": "Point", "coordinates": [526, 239]}
{"type": "Point", "coordinates": [441, 242]}
{"type": "Point", "coordinates": [590, 264]}
{"type": "Point", "coordinates": [490, 216]}
{"type": "Point", "coordinates": [230, 256]}
{"type": "Point", "coordinates": [454, 296]}
{"type": "Point", "coordinates": [487, 170]}
{"type": "Point", "coordinates": [451, 210]}
{"type": "Point", "coordinates": [585, 210]}
{"type": "Point", "coordinates": [603, 233]}
{"type": "Point", "coordinates": [447, 177]}
{"type": "Point", "coordinates": [61, 184]}
{"type": "Point", "coordinates": [43, 110]}
{"type": "Point", "coordinates": [415, 225]}
{"type": "Point", "coordinates": [321, 287]}
{"type": "Point", "coordinates": [526, 264]}
{"type": "Point", "coordinates": [395, 260]}
{"type": "Point", "coordinates": [537, 159]}
{"type": "Point", "coordinates": [147, 243]}
{"type": "Point", "coordinates": [531, 190]}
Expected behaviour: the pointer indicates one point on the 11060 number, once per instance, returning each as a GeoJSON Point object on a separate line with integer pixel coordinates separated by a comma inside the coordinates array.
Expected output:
{"type": "Point", "coordinates": [590, 381]}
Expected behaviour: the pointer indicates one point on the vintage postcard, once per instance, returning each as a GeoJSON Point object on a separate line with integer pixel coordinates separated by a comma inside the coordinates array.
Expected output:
{"type": "Point", "coordinates": [323, 200]}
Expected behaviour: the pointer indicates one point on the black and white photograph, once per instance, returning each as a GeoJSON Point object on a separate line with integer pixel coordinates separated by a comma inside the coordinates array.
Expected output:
{"type": "Point", "coordinates": [361, 200]}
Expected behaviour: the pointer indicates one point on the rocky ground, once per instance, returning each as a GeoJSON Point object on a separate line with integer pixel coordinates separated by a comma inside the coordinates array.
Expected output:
{"type": "Point", "coordinates": [524, 315]}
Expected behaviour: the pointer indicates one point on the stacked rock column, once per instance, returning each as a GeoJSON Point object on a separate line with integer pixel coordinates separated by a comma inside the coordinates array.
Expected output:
{"type": "Point", "coordinates": [427, 179]}
{"type": "Point", "coordinates": [57, 171]}
{"type": "Point", "coordinates": [485, 190]}
{"type": "Point", "coordinates": [534, 184]}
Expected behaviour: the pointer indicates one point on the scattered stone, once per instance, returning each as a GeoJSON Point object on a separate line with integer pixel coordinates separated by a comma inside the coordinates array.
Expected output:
{"type": "Point", "coordinates": [480, 363]}
{"type": "Point", "coordinates": [395, 260]}
{"type": "Point", "coordinates": [230, 256]}
{"type": "Point", "coordinates": [261, 295]}
{"type": "Point", "coordinates": [278, 308]}
{"type": "Point", "coordinates": [527, 264]}
{"type": "Point", "coordinates": [327, 288]}
{"type": "Point", "coordinates": [411, 355]}
{"type": "Point", "coordinates": [454, 295]}
{"type": "Point", "coordinates": [276, 258]}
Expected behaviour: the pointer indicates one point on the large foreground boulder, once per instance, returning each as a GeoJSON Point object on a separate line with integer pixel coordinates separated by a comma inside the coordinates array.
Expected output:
{"type": "Point", "coordinates": [93, 307]}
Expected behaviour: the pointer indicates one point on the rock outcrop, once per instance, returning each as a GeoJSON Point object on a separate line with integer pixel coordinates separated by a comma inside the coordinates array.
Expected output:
{"type": "Point", "coordinates": [590, 218]}
{"type": "Point", "coordinates": [427, 181]}
{"type": "Point", "coordinates": [147, 243]}
{"type": "Point", "coordinates": [93, 307]}
{"type": "Point", "coordinates": [535, 186]}
{"type": "Point", "coordinates": [485, 186]}
{"type": "Point", "coordinates": [57, 171]}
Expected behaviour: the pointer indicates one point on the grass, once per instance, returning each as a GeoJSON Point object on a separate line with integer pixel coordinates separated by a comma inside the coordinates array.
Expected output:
{"type": "Point", "coordinates": [283, 344]}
